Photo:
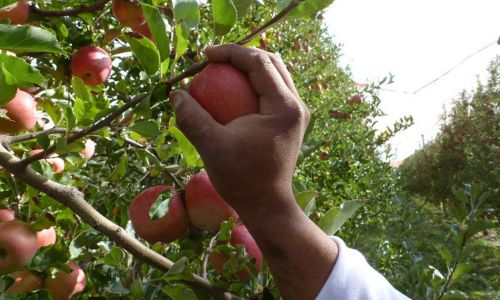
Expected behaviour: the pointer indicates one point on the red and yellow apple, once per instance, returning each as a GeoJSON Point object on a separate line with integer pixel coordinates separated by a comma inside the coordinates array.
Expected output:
{"type": "Point", "coordinates": [225, 92]}
{"type": "Point", "coordinates": [205, 207]}
{"type": "Point", "coordinates": [239, 236]}
{"type": "Point", "coordinates": [165, 229]}
{"type": "Point", "coordinates": [21, 111]}
{"type": "Point", "coordinates": [24, 282]}
{"type": "Point", "coordinates": [57, 164]}
{"type": "Point", "coordinates": [17, 13]}
{"type": "Point", "coordinates": [63, 286]}
{"type": "Point", "coordinates": [46, 237]}
{"type": "Point", "coordinates": [7, 215]}
{"type": "Point", "coordinates": [92, 64]}
{"type": "Point", "coordinates": [128, 12]}
{"type": "Point", "coordinates": [89, 150]}
{"type": "Point", "coordinates": [18, 245]}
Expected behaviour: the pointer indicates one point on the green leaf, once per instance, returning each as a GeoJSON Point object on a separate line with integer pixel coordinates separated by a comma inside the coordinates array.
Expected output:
{"type": "Point", "coordinates": [147, 129]}
{"type": "Point", "coordinates": [454, 295]}
{"type": "Point", "coordinates": [43, 140]}
{"type": "Point", "coordinates": [160, 206]}
{"type": "Point", "coordinates": [83, 102]}
{"type": "Point", "coordinates": [462, 269]}
{"type": "Point", "coordinates": [147, 54]}
{"type": "Point", "coordinates": [336, 217]}
{"type": "Point", "coordinates": [42, 222]}
{"type": "Point", "coordinates": [225, 15]}
{"type": "Point", "coordinates": [8, 90]}
{"type": "Point", "coordinates": [179, 292]}
{"type": "Point", "coordinates": [188, 150]}
{"type": "Point", "coordinates": [120, 169]}
{"type": "Point", "coordinates": [23, 72]}
{"type": "Point", "coordinates": [28, 39]}
{"type": "Point", "coordinates": [4, 3]}
{"type": "Point", "coordinates": [445, 253]}
{"type": "Point", "coordinates": [479, 225]}
{"type": "Point", "coordinates": [306, 201]}
{"type": "Point", "coordinates": [308, 8]}
{"type": "Point", "coordinates": [181, 36]}
{"type": "Point", "coordinates": [187, 12]}
{"type": "Point", "coordinates": [242, 7]}
{"type": "Point", "coordinates": [181, 270]}
{"type": "Point", "coordinates": [158, 27]}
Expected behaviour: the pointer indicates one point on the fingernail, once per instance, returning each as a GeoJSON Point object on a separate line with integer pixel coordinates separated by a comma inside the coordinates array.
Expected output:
{"type": "Point", "coordinates": [175, 99]}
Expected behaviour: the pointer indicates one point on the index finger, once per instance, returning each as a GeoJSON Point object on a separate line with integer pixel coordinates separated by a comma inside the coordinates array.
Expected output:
{"type": "Point", "coordinates": [265, 78]}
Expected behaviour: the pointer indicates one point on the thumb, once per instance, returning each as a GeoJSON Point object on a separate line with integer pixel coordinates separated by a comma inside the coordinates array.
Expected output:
{"type": "Point", "coordinates": [193, 120]}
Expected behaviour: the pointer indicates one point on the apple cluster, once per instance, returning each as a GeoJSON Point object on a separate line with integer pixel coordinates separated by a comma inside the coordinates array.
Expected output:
{"type": "Point", "coordinates": [18, 245]}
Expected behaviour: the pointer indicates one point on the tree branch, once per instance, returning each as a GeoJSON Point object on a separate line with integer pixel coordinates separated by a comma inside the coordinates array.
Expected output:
{"type": "Point", "coordinates": [98, 5]}
{"type": "Point", "coordinates": [74, 199]}
{"type": "Point", "coordinates": [30, 136]}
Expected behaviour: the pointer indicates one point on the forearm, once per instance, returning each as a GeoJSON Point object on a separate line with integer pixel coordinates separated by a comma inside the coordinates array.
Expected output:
{"type": "Point", "coordinates": [296, 250]}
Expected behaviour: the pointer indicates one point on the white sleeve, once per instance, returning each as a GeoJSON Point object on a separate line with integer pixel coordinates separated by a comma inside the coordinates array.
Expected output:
{"type": "Point", "coordinates": [352, 278]}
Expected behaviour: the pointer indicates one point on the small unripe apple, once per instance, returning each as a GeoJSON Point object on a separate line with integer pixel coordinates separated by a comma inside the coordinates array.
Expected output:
{"type": "Point", "coordinates": [165, 229]}
{"type": "Point", "coordinates": [7, 215]}
{"type": "Point", "coordinates": [46, 237]}
{"type": "Point", "coordinates": [239, 236]}
{"type": "Point", "coordinates": [89, 150]}
{"type": "Point", "coordinates": [22, 113]}
{"type": "Point", "coordinates": [18, 245]}
{"type": "Point", "coordinates": [205, 207]}
{"type": "Point", "coordinates": [92, 64]}
{"type": "Point", "coordinates": [63, 286]}
{"type": "Point", "coordinates": [128, 12]}
{"type": "Point", "coordinates": [18, 12]}
{"type": "Point", "coordinates": [225, 92]}
{"type": "Point", "coordinates": [24, 282]}
{"type": "Point", "coordinates": [56, 163]}
{"type": "Point", "coordinates": [354, 100]}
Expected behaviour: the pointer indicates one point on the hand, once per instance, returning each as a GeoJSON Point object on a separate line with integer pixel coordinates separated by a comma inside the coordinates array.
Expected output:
{"type": "Point", "coordinates": [254, 155]}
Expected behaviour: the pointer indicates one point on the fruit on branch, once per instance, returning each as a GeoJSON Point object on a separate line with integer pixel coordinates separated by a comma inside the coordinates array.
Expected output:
{"type": "Point", "coordinates": [92, 64]}
{"type": "Point", "coordinates": [46, 237]}
{"type": "Point", "coordinates": [18, 245]}
{"type": "Point", "coordinates": [89, 150]}
{"type": "Point", "coordinates": [21, 111]}
{"type": "Point", "coordinates": [166, 229]}
{"type": "Point", "coordinates": [143, 30]}
{"type": "Point", "coordinates": [128, 12]}
{"type": "Point", "coordinates": [17, 13]}
{"type": "Point", "coordinates": [56, 163]}
{"type": "Point", "coordinates": [239, 236]}
{"type": "Point", "coordinates": [7, 215]}
{"type": "Point", "coordinates": [64, 285]}
{"type": "Point", "coordinates": [324, 155]}
{"type": "Point", "coordinates": [354, 100]}
{"type": "Point", "coordinates": [24, 282]}
{"type": "Point", "coordinates": [338, 114]}
{"type": "Point", "coordinates": [225, 92]}
{"type": "Point", "coordinates": [205, 207]}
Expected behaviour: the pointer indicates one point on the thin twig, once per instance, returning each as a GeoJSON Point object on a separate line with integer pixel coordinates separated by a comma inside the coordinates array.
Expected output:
{"type": "Point", "coordinates": [30, 136]}
{"type": "Point", "coordinates": [98, 5]}
{"type": "Point", "coordinates": [206, 253]}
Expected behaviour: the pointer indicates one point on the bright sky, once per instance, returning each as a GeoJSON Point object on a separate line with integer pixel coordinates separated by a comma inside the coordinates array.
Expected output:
{"type": "Point", "coordinates": [416, 41]}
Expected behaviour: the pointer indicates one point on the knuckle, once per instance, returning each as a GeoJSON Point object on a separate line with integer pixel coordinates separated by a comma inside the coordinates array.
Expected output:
{"type": "Point", "coordinates": [262, 60]}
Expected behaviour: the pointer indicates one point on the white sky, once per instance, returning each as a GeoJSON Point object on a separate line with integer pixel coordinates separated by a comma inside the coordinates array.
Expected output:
{"type": "Point", "coordinates": [416, 40]}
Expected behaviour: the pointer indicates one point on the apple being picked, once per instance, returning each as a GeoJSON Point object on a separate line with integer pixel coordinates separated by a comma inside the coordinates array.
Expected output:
{"type": "Point", "coordinates": [165, 229]}
{"type": "Point", "coordinates": [24, 282]}
{"type": "Point", "coordinates": [225, 92]}
{"type": "Point", "coordinates": [18, 245]}
{"type": "Point", "coordinates": [21, 111]}
{"type": "Point", "coordinates": [205, 207]}
{"type": "Point", "coordinates": [239, 236]}
{"type": "Point", "coordinates": [92, 64]}
{"type": "Point", "coordinates": [129, 12]}
{"type": "Point", "coordinates": [17, 13]}
{"type": "Point", "coordinates": [64, 285]}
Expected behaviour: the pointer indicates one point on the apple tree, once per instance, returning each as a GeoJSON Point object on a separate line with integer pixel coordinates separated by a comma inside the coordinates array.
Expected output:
{"type": "Point", "coordinates": [108, 192]}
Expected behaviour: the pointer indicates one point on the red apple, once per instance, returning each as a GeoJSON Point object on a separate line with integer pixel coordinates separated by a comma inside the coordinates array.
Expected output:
{"type": "Point", "coordinates": [128, 12]}
{"type": "Point", "coordinates": [18, 245]}
{"type": "Point", "coordinates": [7, 215]}
{"type": "Point", "coordinates": [21, 110]}
{"type": "Point", "coordinates": [165, 229]}
{"type": "Point", "coordinates": [46, 237]}
{"type": "Point", "coordinates": [18, 12]}
{"type": "Point", "coordinates": [206, 208]}
{"type": "Point", "coordinates": [63, 286]}
{"type": "Point", "coordinates": [89, 150]}
{"type": "Point", "coordinates": [354, 100]}
{"type": "Point", "coordinates": [92, 64]}
{"type": "Point", "coordinates": [57, 164]}
{"type": "Point", "coordinates": [24, 282]}
{"type": "Point", "coordinates": [225, 92]}
{"type": "Point", "coordinates": [239, 236]}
